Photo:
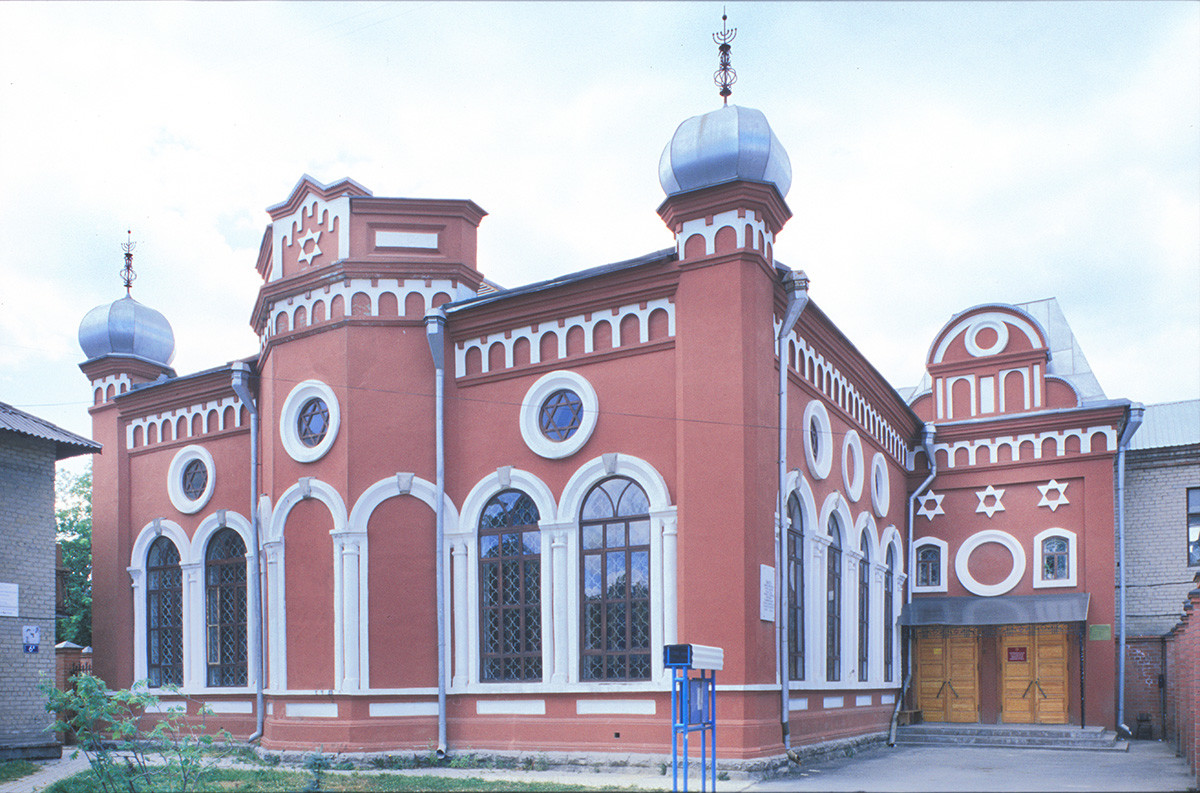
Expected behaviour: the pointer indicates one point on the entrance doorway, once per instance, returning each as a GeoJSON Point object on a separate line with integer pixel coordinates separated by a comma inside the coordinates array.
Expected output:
{"type": "Point", "coordinates": [948, 674]}
{"type": "Point", "coordinates": [1033, 674]}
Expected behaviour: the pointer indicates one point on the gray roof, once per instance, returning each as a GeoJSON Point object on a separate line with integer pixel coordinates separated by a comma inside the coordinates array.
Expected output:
{"type": "Point", "coordinates": [1168, 424]}
{"type": "Point", "coordinates": [125, 327]}
{"type": "Point", "coordinates": [68, 444]}
{"type": "Point", "coordinates": [727, 144]}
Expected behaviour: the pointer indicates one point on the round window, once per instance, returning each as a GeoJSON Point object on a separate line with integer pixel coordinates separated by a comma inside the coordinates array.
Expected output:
{"type": "Point", "coordinates": [195, 479]}
{"type": "Point", "coordinates": [313, 422]}
{"type": "Point", "coordinates": [561, 415]}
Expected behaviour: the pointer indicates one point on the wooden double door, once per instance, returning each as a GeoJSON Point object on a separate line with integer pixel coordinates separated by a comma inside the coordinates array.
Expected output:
{"type": "Point", "coordinates": [1029, 678]}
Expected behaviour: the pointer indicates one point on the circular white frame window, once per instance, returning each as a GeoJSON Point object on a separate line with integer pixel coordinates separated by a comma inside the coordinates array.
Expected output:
{"type": "Point", "coordinates": [289, 418]}
{"type": "Point", "coordinates": [190, 456]}
{"type": "Point", "coordinates": [546, 388]}
{"type": "Point", "coordinates": [881, 489]}
{"type": "Point", "coordinates": [852, 454]}
{"type": "Point", "coordinates": [963, 557]}
{"type": "Point", "coordinates": [818, 455]}
{"type": "Point", "coordinates": [1001, 330]}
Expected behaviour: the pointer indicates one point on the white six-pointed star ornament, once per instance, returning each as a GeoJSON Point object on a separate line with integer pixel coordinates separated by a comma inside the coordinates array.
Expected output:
{"type": "Point", "coordinates": [931, 504]}
{"type": "Point", "coordinates": [314, 237]}
{"type": "Point", "coordinates": [1060, 494]}
{"type": "Point", "coordinates": [995, 496]}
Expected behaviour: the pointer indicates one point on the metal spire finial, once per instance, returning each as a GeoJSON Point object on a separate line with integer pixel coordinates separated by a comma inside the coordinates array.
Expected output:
{"type": "Point", "coordinates": [725, 76]}
{"type": "Point", "coordinates": [127, 273]}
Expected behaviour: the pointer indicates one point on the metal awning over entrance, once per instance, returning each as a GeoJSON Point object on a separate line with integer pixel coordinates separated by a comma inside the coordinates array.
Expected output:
{"type": "Point", "coordinates": [1002, 610]}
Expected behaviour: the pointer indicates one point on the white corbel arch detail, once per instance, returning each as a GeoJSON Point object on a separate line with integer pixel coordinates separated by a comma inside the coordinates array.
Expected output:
{"type": "Point", "coordinates": [663, 553]}
{"type": "Point", "coordinates": [159, 527]}
{"type": "Point", "coordinates": [866, 525]}
{"type": "Point", "coordinates": [462, 572]}
{"type": "Point", "coordinates": [196, 621]}
{"type": "Point", "coordinates": [273, 548]}
{"type": "Point", "coordinates": [891, 536]}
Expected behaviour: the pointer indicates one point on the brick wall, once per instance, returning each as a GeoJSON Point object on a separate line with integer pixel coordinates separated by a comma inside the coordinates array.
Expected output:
{"type": "Point", "coordinates": [27, 560]}
{"type": "Point", "coordinates": [1183, 687]}
{"type": "Point", "coordinates": [1145, 660]}
{"type": "Point", "coordinates": [1157, 576]}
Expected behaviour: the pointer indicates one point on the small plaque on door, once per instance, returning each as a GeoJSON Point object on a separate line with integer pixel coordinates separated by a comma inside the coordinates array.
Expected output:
{"type": "Point", "coordinates": [1017, 655]}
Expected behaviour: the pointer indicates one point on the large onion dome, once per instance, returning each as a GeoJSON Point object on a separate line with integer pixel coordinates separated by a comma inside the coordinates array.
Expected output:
{"type": "Point", "coordinates": [127, 328]}
{"type": "Point", "coordinates": [722, 146]}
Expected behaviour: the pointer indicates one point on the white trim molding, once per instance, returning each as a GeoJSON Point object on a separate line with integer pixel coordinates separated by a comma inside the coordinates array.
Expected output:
{"type": "Point", "coordinates": [943, 563]}
{"type": "Point", "coordinates": [179, 463]}
{"type": "Point", "coordinates": [962, 561]}
{"type": "Point", "coordinates": [531, 409]}
{"type": "Point", "coordinates": [852, 454]}
{"type": "Point", "coordinates": [289, 434]}
{"type": "Point", "coordinates": [820, 458]}
{"type": "Point", "coordinates": [1038, 556]}
{"type": "Point", "coordinates": [881, 488]}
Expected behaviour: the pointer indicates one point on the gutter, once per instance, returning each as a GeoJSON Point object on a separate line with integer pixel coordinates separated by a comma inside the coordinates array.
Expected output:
{"type": "Point", "coordinates": [928, 432]}
{"type": "Point", "coordinates": [435, 334]}
{"type": "Point", "coordinates": [1136, 412]}
{"type": "Point", "coordinates": [241, 387]}
{"type": "Point", "coordinates": [796, 286]}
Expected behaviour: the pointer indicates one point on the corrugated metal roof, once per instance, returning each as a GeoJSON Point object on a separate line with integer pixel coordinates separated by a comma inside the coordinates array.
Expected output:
{"type": "Point", "coordinates": [68, 443]}
{"type": "Point", "coordinates": [1168, 424]}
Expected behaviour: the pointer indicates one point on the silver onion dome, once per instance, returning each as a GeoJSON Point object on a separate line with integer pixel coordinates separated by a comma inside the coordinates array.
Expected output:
{"type": "Point", "coordinates": [128, 328]}
{"type": "Point", "coordinates": [727, 144]}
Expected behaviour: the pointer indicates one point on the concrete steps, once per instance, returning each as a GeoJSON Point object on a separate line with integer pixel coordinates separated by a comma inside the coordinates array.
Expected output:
{"type": "Point", "coordinates": [1031, 736]}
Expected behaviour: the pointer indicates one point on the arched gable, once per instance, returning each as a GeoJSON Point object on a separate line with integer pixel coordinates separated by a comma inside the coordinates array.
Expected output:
{"type": "Point", "coordinates": [402, 484]}
{"type": "Point", "coordinates": [307, 487]}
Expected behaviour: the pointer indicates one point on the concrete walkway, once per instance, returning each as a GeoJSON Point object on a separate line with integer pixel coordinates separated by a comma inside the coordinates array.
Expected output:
{"type": "Point", "coordinates": [1148, 766]}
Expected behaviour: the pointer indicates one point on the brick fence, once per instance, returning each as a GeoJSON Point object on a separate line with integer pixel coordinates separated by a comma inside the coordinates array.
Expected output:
{"type": "Point", "coordinates": [1183, 687]}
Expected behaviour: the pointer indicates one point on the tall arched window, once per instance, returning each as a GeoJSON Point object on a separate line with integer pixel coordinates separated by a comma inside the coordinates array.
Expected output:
{"type": "Point", "coordinates": [864, 609]}
{"type": "Point", "coordinates": [225, 608]}
{"type": "Point", "coordinates": [164, 615]}
{"type": "Point", "coordinates": [833, 602]}
{"type": "Point", "coordinates": [889, 612]}
{"type": "Point", "coordinates": [615, 578]}
{"type": "Point", "coordinates": [795, 549]}
{"type": "Point", "coordinates": [510, 588]}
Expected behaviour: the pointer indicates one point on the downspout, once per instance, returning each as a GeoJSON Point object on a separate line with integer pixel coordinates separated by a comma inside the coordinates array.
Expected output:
{"type": "Point", "coordinates": [928, 432]}
{"type": "Point", "coordinates": [1131, 426]}
{"type": "Point", "coordinates": [435, 334]}
{"type": "Point", "coordinates": [241, 387]}
{"type": "Point", "coordinates": [796, 286]}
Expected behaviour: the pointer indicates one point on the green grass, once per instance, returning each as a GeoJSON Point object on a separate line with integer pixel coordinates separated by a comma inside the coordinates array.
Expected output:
{"type": "Point", "coordinates": [269, 779]}
{"type": "Point", "coordinates": [15, 769]}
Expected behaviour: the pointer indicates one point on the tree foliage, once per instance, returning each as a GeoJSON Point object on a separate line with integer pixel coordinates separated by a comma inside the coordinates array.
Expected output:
{"type": "Point", "coordinates": [73, 514]}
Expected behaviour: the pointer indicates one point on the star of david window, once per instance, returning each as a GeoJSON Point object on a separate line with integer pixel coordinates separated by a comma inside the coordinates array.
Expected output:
{"type": "Point", "coordinates": [195, 479]}
{"type": "Point", "coordinates": [561, 415]}
{"type": "Point", "coordinates": [313, 422]}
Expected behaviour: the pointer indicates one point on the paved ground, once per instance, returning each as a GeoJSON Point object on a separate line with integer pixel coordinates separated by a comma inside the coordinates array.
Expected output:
{"type": "Point", "coordinates": [1147, 766]}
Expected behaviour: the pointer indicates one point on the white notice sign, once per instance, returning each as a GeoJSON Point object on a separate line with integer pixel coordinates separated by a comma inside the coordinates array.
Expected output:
{"type": "Point", "coordinates": [8, 600]}
{"type": "Point", "coordinates": [766, 593]}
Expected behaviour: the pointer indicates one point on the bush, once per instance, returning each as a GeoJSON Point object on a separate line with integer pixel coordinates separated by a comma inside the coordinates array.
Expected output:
{"type": "Point", "coordinates": [172, 755]}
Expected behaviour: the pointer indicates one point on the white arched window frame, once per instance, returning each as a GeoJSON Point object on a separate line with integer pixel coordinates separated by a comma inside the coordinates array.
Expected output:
{"type": "Point", "coordinates": [943, 563]}
{"type": "Point", "coordinates": [890, 539]}
{"type": "Point", "coordinates": [464, 577]}
{"type": "Point", "coordinates": [1039, 555]}
{"type": "Point", "coordinates": [865, 527]}
{"type": "Point", "coordinates": [835, 503]}
{"type": "Point", "coordinates": [814, 578]}
{"type": "Point", "coordinates": [663, 579]}
{"type": "Point", "coordinates": [195, 676]}
{"type": "Point", "coordinates": [160, 527]}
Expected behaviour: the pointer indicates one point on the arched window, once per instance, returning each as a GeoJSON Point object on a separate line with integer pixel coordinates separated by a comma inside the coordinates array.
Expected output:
{"type": "Point", "coordinates": [864, 609]}
{"type": "Point", "coordinates": [510, 588]}
{"type": "Point", "coordinates": [225, 608]}
{"type": "Point", "coordinates": [615, 578]}
{"type": "Point", "coordinates": [889, 612]}
{"type": "Point", "coordinates": [929, 566]}
{"type": "Point", "coordinates": [795, 549]}
{"type": "Point", "coordinates": [833, 602]}
{"type": "Point", "coordinates": [1055, 559]}
{"type": "Point", "coordinates": [164, 615]}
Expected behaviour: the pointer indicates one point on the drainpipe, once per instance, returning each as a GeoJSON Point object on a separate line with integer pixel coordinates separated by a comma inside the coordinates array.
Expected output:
{"type": "Point", "coordinates": [241, 387]}
{"type": "Point", "coordinates": [796, 286]}
{"type": "Point", "coordinates": [435, 334]}
{"type": "Point", "coordinates": [928, 431]}
{"type": "Point", "coordinates": [1131, 426]}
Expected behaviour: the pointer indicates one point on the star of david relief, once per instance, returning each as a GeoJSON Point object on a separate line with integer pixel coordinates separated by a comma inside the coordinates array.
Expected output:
{"type": "Point", "coordinates": [995, 495]}
{"type": "Point", "coordinates": [1060, 494]}
{"type": "Point", "coordinates": [931, 504]}
{"type": "Point", "coordinates": [314, 237]}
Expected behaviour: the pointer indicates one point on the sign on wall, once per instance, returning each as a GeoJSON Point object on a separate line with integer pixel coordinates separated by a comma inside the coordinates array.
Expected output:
{"type": "Point", "coordinates": [8, 600]}
{"type": "Point", "coordinates": [766, 593]}
{"type": "Point", "coordinates": [31, 635]}
{"type": "Point", "coordinates": [1017, 654]}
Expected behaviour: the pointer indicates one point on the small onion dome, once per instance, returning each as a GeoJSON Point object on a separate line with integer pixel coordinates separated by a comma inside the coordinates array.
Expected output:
{"type": "Point", "coordinates": [722, 146]}
{"type": "Point", "coordinates": [126, 327]}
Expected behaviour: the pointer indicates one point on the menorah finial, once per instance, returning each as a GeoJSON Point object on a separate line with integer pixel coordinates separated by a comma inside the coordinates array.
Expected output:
{"type": "Point", "coordinates": [127, 273]}
{"type": "Point", "coordinates": [725, 76]}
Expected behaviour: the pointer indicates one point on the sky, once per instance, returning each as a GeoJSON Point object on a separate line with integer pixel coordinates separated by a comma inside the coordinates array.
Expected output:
{"type": "Point", "coordinates": [943, 154]}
